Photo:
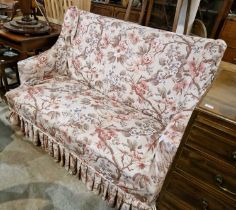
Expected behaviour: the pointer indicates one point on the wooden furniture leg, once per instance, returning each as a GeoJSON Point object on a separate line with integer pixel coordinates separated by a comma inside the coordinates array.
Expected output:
{"type": "Point", "coordinates": [221, 16]}
{"type": "Point", "coordinates": [2, 89]}
{"type": "Point", "coordinates": [187, 16]}
{"type": "Point", "coordinates": [177, 14]}
{"type": "Point", "coordinates": [142, 12]}
{"type": "Point", "coordinates": [8, 64]}
{"type": "Point", "coordinates": [3, 76]}
{"type": "Point", "coordinates": [149, 12]}
{"type": "Point", "coordinates": [143, 9]}
{"type": "Point", "coordinates": [128, 10]}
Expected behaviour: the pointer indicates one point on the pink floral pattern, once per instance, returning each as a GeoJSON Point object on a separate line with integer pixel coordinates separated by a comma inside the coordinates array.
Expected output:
{"type": "Point", "coordinates": [117, 96]}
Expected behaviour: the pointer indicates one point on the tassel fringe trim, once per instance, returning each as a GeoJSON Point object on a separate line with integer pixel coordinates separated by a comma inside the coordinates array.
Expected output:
{"type": "Point", "coordinates": [93, 180]}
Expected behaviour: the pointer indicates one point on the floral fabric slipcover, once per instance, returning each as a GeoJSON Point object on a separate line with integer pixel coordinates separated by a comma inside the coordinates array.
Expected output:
{"type": "Point", "coordinates": [110, 101]}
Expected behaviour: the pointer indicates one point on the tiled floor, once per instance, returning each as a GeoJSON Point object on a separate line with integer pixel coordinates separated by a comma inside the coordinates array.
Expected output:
{"type": "Point", "coordinates": [31, 180]}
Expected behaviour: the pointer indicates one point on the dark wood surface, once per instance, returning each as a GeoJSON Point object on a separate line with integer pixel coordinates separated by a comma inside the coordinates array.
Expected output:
{"type": "Point", "coordinates": [145, 8]}
{"type": "Point", "coordinates": [221, 98]}
{"type": "Point", "coordinates": [24, 43]}
{"type": "Point", "coordinates": [141, 15]}
{"type": "Point", "coordinates": [195, 196]}
{"type": "Point", "coordinates": [161, 14]}
{"type": "Point", "coordinates": [222, 14]}
{"type": "Point", "coordinates": [115, 10]}
{"type": "Point", "coordinates": [6, 62]}
{"type": "Point", "coordinates": [210, 132]}
{"type": "Point", "coordinates": [203, 173]}
{"type": "Point", "coordinates": [30, 43]}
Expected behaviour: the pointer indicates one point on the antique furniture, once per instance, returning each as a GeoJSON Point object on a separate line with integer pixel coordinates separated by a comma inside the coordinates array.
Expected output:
{"type": "Point", "coordinates": [146, 7]}
{"type": "Point", "coordinates": [224, 9]}
{"type": "Point", "coordinates": [179, 6]}
{"type": "Point", "coordinates": [27, 25]}
{"type": "Point", "coordinates": [115, 10]}
{"type": "Point", "coordinates": [203, 172]}
{"type": "Point", "coordinates": [29, 44]}
{"type": "Point", "coordinates": [55, 9]}
{"type": "Point", "coordinates": [198, 29]}
{"type": "Point", "coordinates": [211, 13]}
{"type": "Point", "coordinates": [110, 102]}
{"type": "Point", "coordinates": [8, 61]}
{"type": "Point", "coordinates": [3, 12]}
{"type": "Point", "coordinates": [228, 34]}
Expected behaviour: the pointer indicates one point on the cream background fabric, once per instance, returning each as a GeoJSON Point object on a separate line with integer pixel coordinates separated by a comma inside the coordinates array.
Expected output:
{"type": "Point", "coordinates": [110, 102]}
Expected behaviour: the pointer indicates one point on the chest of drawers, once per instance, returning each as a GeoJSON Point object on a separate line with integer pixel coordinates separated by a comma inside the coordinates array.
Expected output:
{"type": "Point", "coordinates": [203, 173]}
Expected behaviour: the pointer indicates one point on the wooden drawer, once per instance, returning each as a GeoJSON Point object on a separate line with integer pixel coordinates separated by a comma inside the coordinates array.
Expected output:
{"type": "Point", "coordinates": [169, 202]}
{"type": "Point", "coordinates": [211, 172]}
{"type": "Point", "coordinates": [195, 196]}
{"type": "Point", "coordinates": [213, 142]}
{"type": "Point", "coordinates": [230, 55]}
{"type": "Point", "coordinates": [216, 122]}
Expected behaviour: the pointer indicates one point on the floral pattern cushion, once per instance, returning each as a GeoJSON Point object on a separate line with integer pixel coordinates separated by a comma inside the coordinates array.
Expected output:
{"type": "Point", "coordinates": [118, 96]}
{"type": "Point", "coordinates": [118, 141]}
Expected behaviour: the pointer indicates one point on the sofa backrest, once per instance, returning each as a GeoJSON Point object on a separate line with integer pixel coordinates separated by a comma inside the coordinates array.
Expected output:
{"type": "Point", "coordinates": [145, 68]}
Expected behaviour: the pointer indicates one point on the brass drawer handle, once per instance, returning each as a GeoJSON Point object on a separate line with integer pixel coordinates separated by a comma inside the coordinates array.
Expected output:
{"type": "Point", "coordinates": [219, 182]}
{"type": "Point", "coordinates": [234, 156]}
{"type": "Point", "coordinates": [204, 205]}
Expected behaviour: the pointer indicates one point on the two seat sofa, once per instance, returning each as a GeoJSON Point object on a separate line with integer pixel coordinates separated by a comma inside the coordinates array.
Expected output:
{"type": "Point", "coordinates": [110, 101]}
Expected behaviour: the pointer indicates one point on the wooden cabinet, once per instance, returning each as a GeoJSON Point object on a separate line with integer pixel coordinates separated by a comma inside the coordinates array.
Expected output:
{"type": "Point", "coordinates": [114, 10]}
{"type": "Point", "coordinates": [119, 13]}
{"type": "Point", "coordinates": [228, 33]}
{"type": "Point", "coordinates": [203, 173]}
{"type": "Point", "coordinates": [162, 14]}
{"type": "Point", "coordinates": [100, 9]}
{"type": "Point", "coordinates": [211, 13]}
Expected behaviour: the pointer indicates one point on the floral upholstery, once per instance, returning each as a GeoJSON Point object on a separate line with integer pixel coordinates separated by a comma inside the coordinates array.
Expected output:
{"type": "Point", "coordinates": [127, 62]}
{"type": "Point", "coordinates": [111, 100]}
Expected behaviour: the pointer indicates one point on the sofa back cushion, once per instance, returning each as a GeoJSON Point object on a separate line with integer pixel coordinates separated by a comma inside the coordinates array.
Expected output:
{"type": "Point", "coordinates": [148, 69]}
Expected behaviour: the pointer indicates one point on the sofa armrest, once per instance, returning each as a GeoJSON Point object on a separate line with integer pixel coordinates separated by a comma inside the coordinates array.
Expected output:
{"type": "Point", "coordinates": [31, 70]}
{"type": "Point", "coordinates": [35, 69]}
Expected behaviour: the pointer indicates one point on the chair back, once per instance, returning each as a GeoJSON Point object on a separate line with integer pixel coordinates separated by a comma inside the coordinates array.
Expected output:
{"type": "Point", "coordinates": [55, 9]}
{"type": "Point", "coordinates": [145, 9]}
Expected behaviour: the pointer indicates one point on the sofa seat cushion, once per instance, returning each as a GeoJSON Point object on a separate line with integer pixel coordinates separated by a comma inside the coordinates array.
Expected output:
{"type": "Point", "coordinates": [119, 142]}
{"type": "Point", "coordinates": [34, 101]}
